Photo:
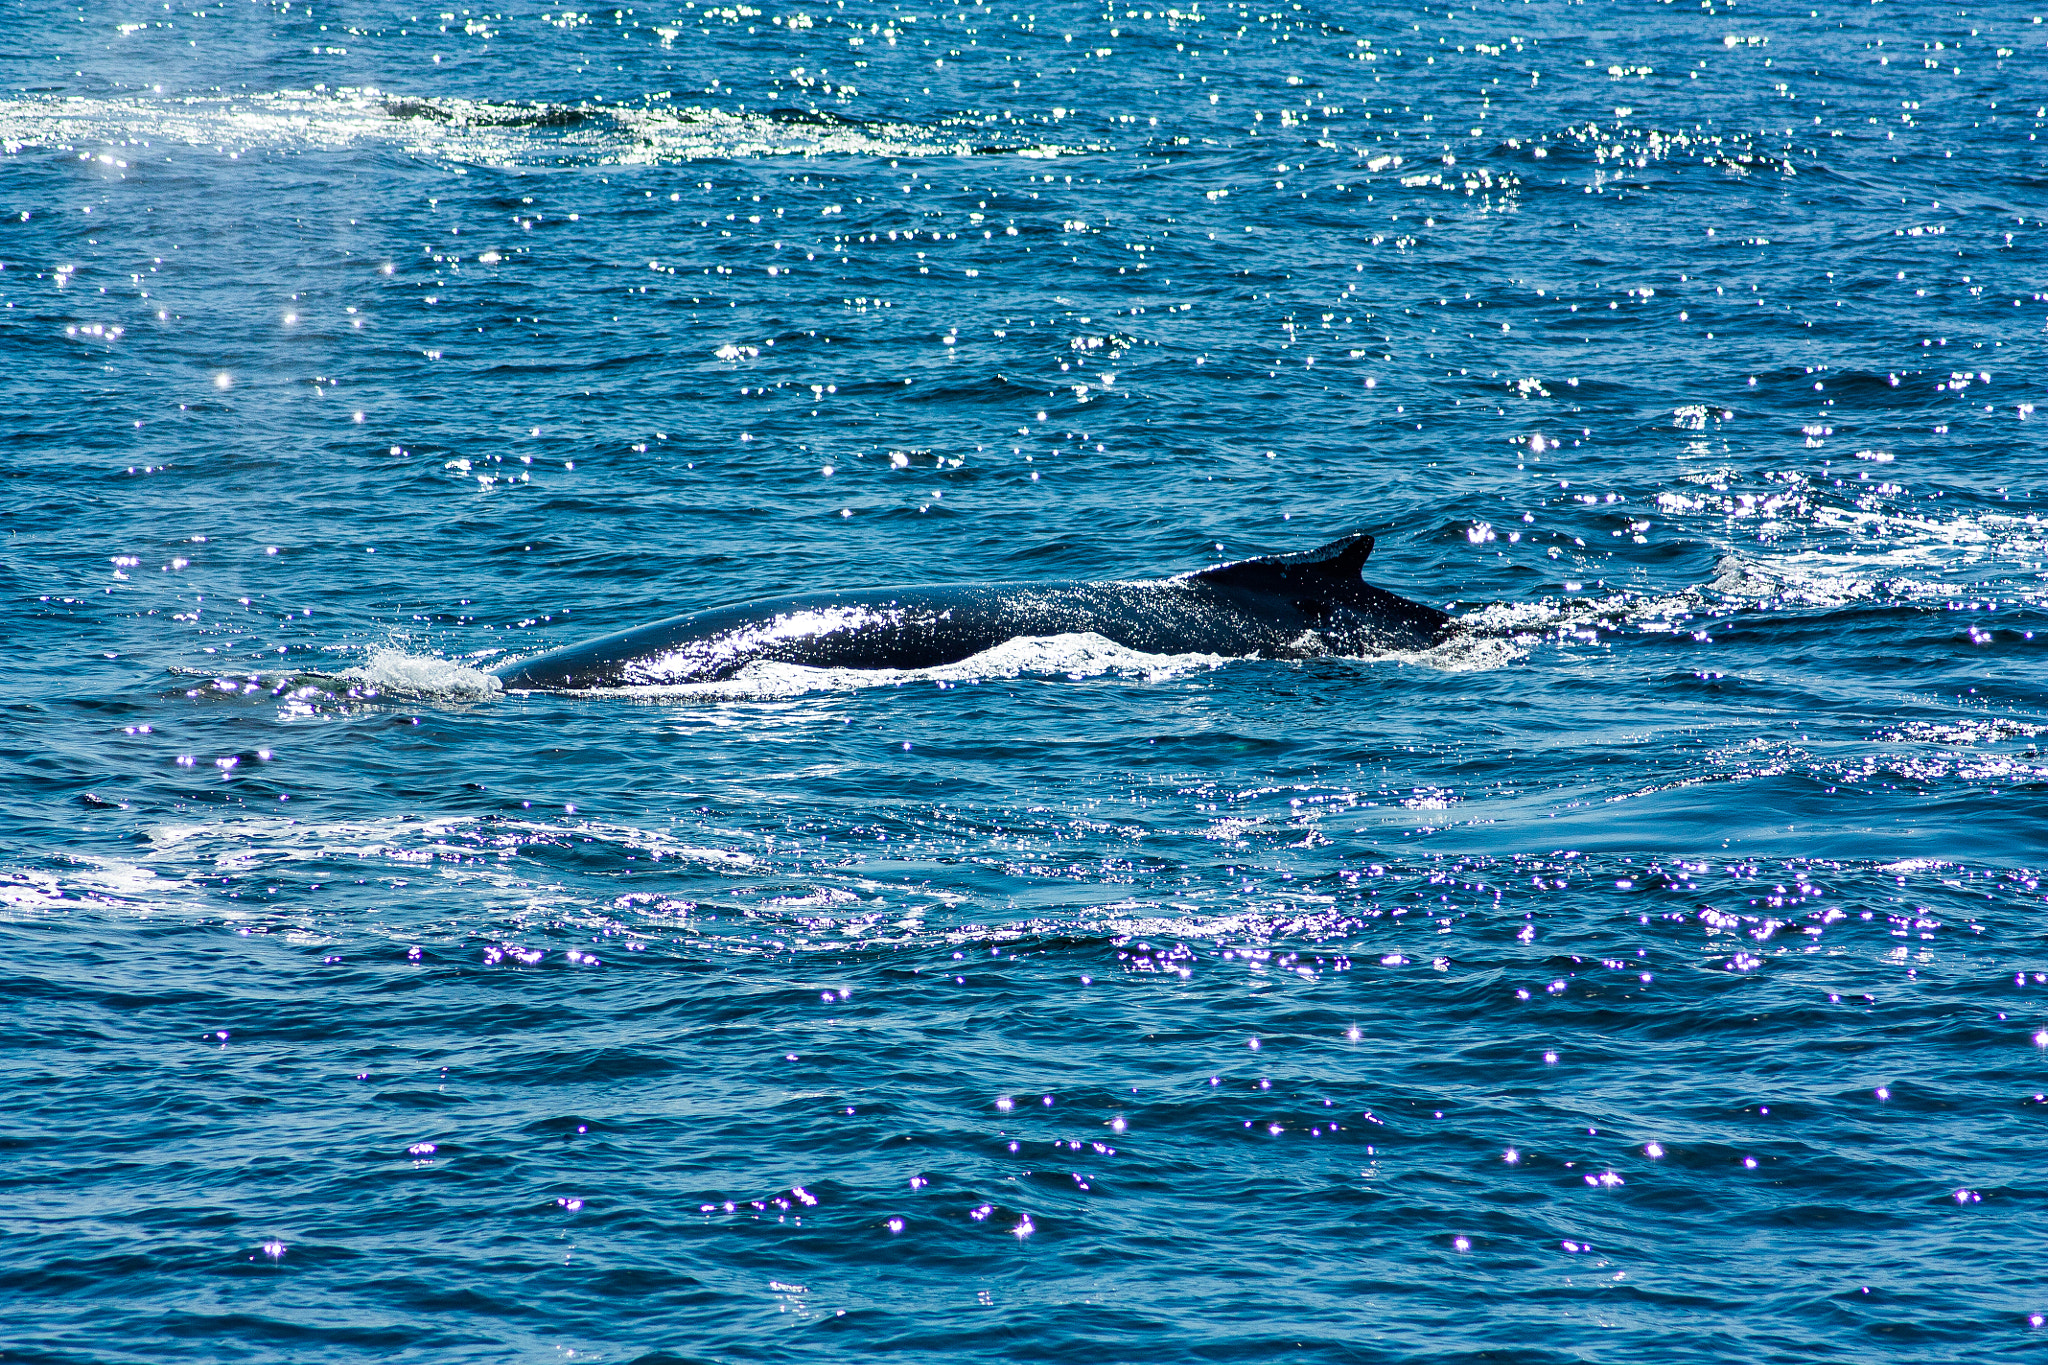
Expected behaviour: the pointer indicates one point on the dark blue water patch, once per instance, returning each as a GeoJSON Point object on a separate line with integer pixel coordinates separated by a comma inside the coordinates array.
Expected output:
{"type": "Point", "coordinates": [1559, 1155]}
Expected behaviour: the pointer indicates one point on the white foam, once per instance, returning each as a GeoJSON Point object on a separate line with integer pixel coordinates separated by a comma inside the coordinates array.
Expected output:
{"type": "Point", "coordinates": [1085, 655]}
{"type": "Point", "coordinates": [1799, 552]}
{"type": "Point", "coordinates": [29, 894]}
{"type": "Point", "coordinates": [394, 673]}
{"type": "Point", "coordinates": [178, 871]}
{"type": "Point", "coordinates": [473, 131]}
{"type": "Point", "coordinates": [1743, 578]}
{"type": "Point", "coordinates": [251, 840]}
{"type": "Point", "coordinates": [1076, 656]}
{"type": "Point", "coordinates": [114, 886]}
{"type": "Point", "coordinates": [1475, 646]}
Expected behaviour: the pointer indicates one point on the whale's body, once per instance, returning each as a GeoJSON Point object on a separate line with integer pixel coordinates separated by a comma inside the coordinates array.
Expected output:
{"type": "Point", "coordinates": [1277, 606]}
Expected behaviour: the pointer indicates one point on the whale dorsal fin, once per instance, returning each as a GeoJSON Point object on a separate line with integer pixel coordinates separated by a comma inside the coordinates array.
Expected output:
{"type": "Point", "coordinates": [1340, 560]}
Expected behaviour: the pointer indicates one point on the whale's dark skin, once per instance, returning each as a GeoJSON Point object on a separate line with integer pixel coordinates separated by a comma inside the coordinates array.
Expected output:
{"type": "Point", "coordinates": [1278, 607]}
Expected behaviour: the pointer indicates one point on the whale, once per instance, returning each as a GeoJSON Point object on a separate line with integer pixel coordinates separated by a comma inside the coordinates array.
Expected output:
{"type": "Point", "coordinates": [1281, 606]}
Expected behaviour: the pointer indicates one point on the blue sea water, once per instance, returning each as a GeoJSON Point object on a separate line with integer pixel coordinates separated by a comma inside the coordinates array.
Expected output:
{"type": "Point", "coordinates": [1656, 971]}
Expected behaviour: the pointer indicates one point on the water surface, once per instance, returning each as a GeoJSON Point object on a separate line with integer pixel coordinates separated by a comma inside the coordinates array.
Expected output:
{"type": "Point", "coordinates": [1654, 971]}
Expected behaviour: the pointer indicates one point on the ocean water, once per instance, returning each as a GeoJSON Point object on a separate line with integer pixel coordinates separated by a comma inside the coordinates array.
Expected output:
{"type": "Point", "coordinates": [1655, 971]}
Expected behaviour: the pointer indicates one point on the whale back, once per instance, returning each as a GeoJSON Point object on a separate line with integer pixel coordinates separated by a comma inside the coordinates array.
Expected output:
{"type": "Point", "coordinates": [1328, 573]}
{"type": "Point", "coordinates": [1326, 586]}
{"type": "Point", "coordinates": [1285, 606]}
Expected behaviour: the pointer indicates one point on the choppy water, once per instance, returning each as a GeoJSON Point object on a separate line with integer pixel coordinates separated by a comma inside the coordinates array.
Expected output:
{"type": "Point", "coordinates": [1654, 972]}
